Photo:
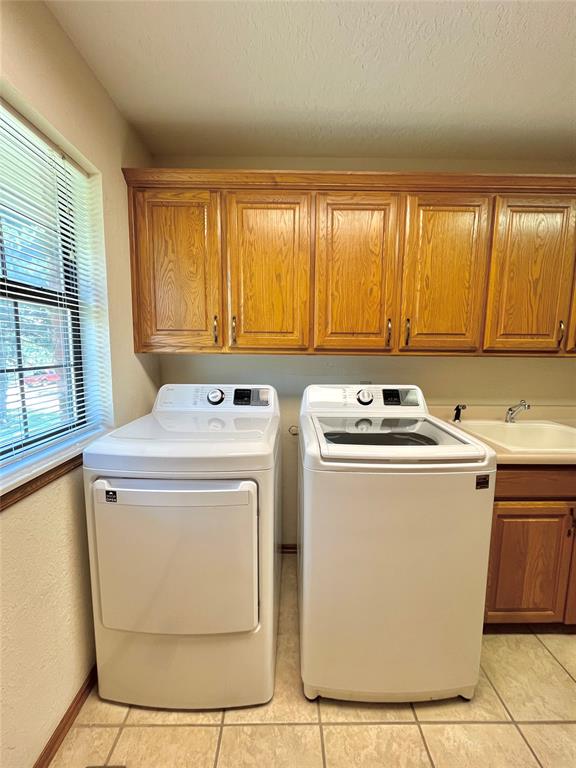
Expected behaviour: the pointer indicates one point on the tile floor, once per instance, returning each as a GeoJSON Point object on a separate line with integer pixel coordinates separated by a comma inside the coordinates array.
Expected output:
{"type": "Point", "coordinates": [523, 716]}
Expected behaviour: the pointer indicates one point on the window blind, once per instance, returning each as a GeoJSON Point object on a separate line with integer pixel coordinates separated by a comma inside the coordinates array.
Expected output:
{"type": "Point", "coordinates": [54, 354]}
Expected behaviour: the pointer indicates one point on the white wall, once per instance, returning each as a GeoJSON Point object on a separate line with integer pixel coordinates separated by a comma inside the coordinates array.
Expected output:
{"type": "Point", "coordinates": [46, 646]}
{"type": "Point", "coordinates": [499, 382]}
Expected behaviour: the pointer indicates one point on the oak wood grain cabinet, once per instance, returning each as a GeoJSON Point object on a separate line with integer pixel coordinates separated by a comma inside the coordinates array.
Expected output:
{"type": "Point", "coordinates": [176, 270]}
{"type": "Point", "coordinates": [571, 340]}
{"type": "Point", "coordinates": [530, 559]}
{"type": "Point", "coordinates": [445, 267]}
{"type": "Point", "coordinates": [531, 274]}
{"type": "Point", "coordinates": [268, 261]}
{"type": "Point", "coordinates": [356, 268]}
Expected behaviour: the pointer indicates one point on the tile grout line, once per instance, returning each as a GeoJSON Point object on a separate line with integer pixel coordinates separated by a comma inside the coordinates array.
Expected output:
{"type": "Point", "coordinates": [219, 742]}
{"type": "Point", "coordinates": [322, 745]}
{"type": "Point", "coordinates": [339, 723]}
{"type": "Point", "coordinates": [117, 739]}
{"type": "Point", "coordinates": [422, 736]}
{"type": "Point", "coordinates": [514, 723]}
{"type": "Point", "coordinates": [557, 660]}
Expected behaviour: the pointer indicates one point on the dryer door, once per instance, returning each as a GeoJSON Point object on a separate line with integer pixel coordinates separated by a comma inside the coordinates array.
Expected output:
{"type": "Point", "coordinates": [177, 557]}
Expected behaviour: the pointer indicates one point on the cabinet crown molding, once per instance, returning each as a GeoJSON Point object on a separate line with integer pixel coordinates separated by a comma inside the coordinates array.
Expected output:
{"type": "Point", "coordinates": [351, 180]}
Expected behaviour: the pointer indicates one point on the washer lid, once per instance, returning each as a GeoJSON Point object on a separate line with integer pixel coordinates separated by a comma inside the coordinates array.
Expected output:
{"type": "Point", "coordinates": [362, 437]}
{"type": "Point", "coordinates": [187, 442]}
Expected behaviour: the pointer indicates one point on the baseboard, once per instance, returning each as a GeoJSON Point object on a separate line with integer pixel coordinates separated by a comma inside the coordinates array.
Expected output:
{"type": "Point", "coordinates": [65, 724]}
{"type": "Point", "coordinates": [289, 549]}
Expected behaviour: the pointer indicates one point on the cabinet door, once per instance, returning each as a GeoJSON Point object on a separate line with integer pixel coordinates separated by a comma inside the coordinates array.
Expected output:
{"type": "Point", "coordinates": [269, 269]}
{"type": "Point", "coordinates": [445, 271]}
{"type": "Point", "coordinates": [571, 340]}
{"type": "Point", "coordinates": [570, 614]}
{"type": "Point", "coordinates": [531, 274]}
{"type": "Point", "coordinates": [356, 256]}
{"type": "Point", "coordinates": [176, 270]}
{"type": "Point", "coordinates": [530, 557]}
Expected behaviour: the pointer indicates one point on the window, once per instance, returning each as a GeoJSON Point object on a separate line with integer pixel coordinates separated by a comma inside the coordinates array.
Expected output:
{"type": "Point", "coordinates": [54, 361]}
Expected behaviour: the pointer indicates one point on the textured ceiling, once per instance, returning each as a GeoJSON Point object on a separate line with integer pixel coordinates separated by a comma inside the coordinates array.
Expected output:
{"type": "Point", "coordinates": [357, 79]}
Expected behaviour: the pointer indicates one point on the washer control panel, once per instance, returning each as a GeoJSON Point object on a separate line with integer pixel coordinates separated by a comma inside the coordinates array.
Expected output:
{"type": "Point", "coordinates": [381, 398]}
{"type": "Point", "coordinates": [208, 397]}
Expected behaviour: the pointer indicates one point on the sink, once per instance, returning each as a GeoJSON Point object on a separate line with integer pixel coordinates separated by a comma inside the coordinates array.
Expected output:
{"type": "Point", "coordinates": [525, 436]}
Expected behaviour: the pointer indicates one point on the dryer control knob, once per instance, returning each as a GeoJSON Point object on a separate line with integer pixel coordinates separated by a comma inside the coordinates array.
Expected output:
{"type": "Point", "coordinates": [215, 396]}
{"type": "Point", "coordinates": [365, 397]}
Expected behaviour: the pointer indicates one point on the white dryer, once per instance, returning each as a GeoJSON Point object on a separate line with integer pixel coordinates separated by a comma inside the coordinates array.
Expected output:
{"type": "Point", "coordinates": [183, 512]}
{"type": "Point", "coordinates": [395, 519]}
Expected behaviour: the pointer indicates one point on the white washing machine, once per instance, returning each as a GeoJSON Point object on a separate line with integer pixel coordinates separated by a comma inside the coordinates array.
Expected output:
{"type": "Point", "coordinates": [395, 519]}
{"type": "Point", "coordinates": [183, 511]}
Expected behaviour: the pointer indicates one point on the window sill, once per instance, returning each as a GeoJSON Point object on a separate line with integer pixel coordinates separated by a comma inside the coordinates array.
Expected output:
{"type": "Point", "coordinates": [28, 475]}
{"type": "Point", "coordinates": [31, 486]}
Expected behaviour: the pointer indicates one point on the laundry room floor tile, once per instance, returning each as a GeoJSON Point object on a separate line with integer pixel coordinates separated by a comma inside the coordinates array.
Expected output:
{"type": "Point", "coordinates": [166, 747]}
{"type": "Point", "coordinates": [477, 746]}
{"type": "Point", "coordinates": [144, 716]}
{"type": "Point", "coordinates": [354, 712]}
{"type": "Point", "coordinates": [289, 705]}
{"type": "Point", "coordinates": [374, 746]}
{"type": "Point", "coordinates": [97, 711]}
{"type": "Point", "coordinates": [563, 648]}
{"type": "Point", "coordinates": [85, 746]}
{"type": "Point", "coordinates": [554, 744]}
{"type": "Point", "coordinates": [530, 681]}
{"type": "Point", "coordinates": [484, 706]}
{"type": "Point", "coordinates": [526, 677]}
{"type": "Point", "coordinates": [270, 746]}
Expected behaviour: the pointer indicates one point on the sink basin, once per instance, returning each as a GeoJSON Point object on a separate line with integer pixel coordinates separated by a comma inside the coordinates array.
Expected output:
{"type": "Point", "coordinates": [525, 436]}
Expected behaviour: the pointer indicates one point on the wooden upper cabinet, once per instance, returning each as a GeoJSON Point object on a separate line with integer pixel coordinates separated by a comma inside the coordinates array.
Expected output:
{"type": "Point", "coordinates": [530, 555]}
{"type": "Point", "coordinates": [269, 255]}
{"type": "Point", "coordinates": [444, 271]}
{"type": "Point", "coordinates": [356, 257]}
{"type": "Point", "coordinates": [531, 275]}
{"type": "Point", "coordinates": [176, 270]}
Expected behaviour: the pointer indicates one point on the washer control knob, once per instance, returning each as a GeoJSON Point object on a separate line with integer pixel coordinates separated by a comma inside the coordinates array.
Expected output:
{"type": "Point", "coordinates": [365, 397]}
{"type": "Point", "coordinates": [215, 396]}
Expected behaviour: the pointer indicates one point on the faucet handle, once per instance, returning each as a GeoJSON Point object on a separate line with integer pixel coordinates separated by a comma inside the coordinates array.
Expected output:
{"type": "Point", "coordinates": [458, 411]}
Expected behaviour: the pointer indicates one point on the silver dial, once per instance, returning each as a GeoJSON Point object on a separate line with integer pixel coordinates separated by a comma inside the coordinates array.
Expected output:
{"type": "Point", "coordinates": [215, 396]}
{"type": "Point", "coordinates": [365, 397]}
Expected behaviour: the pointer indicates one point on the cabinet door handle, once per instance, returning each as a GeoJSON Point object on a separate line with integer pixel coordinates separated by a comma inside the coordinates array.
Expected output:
{"type": "Point", "coordinates": [561, 328]}
{"type": "Point", "coordinates": [407, 337]}
{"type": "Point", "coordinates": [233, 329]}
{"type": "Point", "coordinates": [389, 332]}
{"type": "Point", "coordinates": [215, 329]}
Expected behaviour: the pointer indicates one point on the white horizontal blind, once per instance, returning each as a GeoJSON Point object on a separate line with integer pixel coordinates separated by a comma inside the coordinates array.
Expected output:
{"type": "Point", "coordinates": [54, 355]}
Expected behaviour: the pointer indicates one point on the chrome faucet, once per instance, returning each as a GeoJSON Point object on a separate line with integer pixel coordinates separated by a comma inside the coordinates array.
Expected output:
{"type": "Point", "coordinates": [514, 409]}
{"type": "Point", "coordinates": [458, 412]}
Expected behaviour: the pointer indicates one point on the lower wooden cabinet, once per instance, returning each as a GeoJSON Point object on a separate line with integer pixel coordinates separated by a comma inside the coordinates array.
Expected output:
{"type": "Point", "coordinates": [530, 561]}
